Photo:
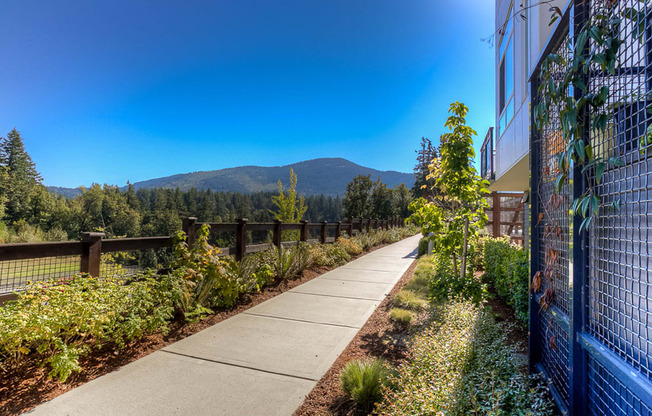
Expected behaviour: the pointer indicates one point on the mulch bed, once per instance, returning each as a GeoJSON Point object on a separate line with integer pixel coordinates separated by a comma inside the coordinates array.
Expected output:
{"type": "Point", "coordinates": [378, 338]}
{"type": "Point", "coordinates": [26, 386]}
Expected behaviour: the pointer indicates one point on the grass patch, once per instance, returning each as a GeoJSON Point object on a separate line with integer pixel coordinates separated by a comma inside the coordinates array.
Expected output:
{"type": "Point", "coordinates": [363, 382]}
{"type": "Point", "coordinates": [402, 317]}
{"type": "Point", "coordinates": [410, 300]}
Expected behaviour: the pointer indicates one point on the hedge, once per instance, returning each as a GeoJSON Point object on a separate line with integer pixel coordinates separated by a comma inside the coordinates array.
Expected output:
{"type": "Point", "coordinates": [506, 269]}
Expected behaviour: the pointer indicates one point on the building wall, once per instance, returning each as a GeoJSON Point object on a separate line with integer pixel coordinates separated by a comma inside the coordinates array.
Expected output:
{"type": "Point", "coordinates": [530, 35]}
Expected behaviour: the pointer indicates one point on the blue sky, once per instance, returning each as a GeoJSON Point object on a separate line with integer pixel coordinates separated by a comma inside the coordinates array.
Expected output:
{"type": "Point", "coordinates": [131, 90]}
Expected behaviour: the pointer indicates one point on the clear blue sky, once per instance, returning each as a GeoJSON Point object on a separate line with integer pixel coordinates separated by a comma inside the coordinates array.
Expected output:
{"type": "Point", "coordinates": [131, 90]}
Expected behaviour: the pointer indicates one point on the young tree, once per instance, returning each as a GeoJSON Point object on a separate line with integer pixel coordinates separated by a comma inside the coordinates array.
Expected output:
{"type": "Point", "coordinates": [455, 213]}
{"type": "Point", "coordinates": [289, 207]}
{"type": "Point", "coordinates": [357, 199]}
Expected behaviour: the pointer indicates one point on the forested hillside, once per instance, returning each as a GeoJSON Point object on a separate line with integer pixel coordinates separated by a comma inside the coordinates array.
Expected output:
{"type": "Point", "coordinates": [28, 212]}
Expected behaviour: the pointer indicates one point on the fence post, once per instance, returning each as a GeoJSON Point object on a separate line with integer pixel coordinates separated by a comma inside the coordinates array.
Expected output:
{"type": "Point", "coordinates": [368, 224]}
{"type": "Point", "coordinates": [360, 225]}
{"type": "Point", "coordinates": [188, 225]}
{"type": "Point", "coordinates": [303, 234]}
{"type": "Point", "coordinates": [323, 232]}
{"type": "Point", "coordinates": [579, 299]}
{"type": "Point", "coordinates": [338, 230]}
{"type": "Point", "coordinates": [495, 213]}
{"type": "Point", "coordinates": [276, 237]}
{"type": "Point", "coordinates": [534, 349]}
{"type": "Point", "coordinates": [92, 254]}
{"type": "Point", "coordinates": [241, 239]}
{"type": "Point", "coordinates": [349, 227]}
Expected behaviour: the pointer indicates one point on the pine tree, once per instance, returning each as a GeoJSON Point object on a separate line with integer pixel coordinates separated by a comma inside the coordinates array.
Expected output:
{"type": "Point", "coordinates": [21, 185]}
{"type": "Point", "coordinates": [422, 185]}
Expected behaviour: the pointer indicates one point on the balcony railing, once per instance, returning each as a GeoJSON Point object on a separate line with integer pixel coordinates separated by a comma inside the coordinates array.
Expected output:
{"type": "Point", "coordinates": [488, 157]}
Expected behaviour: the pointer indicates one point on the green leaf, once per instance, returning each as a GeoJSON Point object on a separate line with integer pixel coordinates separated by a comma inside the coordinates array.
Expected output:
{"type": "Point", "coordinates": [560, 182]}
{"type": "Point", "coordinates": [599, 171]}
{"type": "Point", "coordinates": [616, 161]}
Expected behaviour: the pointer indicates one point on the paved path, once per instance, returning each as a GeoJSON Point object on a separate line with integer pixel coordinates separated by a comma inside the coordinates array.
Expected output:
{"type": "Point", "coordinates": [261, 362]}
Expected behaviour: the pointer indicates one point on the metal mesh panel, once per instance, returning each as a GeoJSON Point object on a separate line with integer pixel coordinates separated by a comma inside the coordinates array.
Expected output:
{"type": "Point", "coordinates": [15, 274]}
{"type": "Point", "coordinates": [609, 397]}
{"type": "Point", "coordinates": [129, 263]}
{"type": "Point", "coordinates": [553, 341]}
{"type": "Point", "coordinates": [619, 278]}
{"type": "Point", "coordinates": [554, 230]}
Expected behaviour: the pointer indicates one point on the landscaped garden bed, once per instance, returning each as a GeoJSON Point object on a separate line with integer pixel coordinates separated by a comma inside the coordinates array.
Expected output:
{"type": "Point", "coordinates": [458, 357]}
{"type": "Point", "coordinates": [101, 325]}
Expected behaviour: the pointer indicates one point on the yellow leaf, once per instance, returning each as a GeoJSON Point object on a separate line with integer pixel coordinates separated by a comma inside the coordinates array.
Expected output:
{"type": "Point", "coordinates": [23, 350]}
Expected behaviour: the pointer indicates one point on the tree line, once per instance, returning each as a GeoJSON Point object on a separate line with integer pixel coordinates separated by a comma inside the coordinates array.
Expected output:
{"type": "Point", "coordinates": [28, 212]}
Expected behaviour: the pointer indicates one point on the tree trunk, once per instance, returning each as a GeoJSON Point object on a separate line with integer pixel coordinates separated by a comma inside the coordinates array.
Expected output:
{"type": "Point", "coordinates": [464, 249]}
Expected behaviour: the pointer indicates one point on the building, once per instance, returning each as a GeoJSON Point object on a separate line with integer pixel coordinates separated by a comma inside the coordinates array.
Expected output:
{"type": "Point", "coordinates": [591, 319]}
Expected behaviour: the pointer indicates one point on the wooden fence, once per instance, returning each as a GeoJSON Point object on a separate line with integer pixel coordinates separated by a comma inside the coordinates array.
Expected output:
{"type": "Point", "coordinates": [513, 226]}
{"type": "Point", "coordinates": [22, 262]}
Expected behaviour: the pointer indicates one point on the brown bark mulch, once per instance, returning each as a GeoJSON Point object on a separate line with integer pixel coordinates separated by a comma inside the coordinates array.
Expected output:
{"type": "Point", "coordinates": [25, 386]}
{"type": "Point", "coordinates": [378, 338]}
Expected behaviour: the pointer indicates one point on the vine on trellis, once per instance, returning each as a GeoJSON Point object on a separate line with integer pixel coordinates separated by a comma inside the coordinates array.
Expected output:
{"type": "Point", "coordinates": [595, 48]}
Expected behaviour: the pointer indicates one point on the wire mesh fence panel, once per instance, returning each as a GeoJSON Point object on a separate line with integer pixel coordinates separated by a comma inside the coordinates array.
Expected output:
{"type": "Point", "coordinates": [129, 263]}
{"type": "Point", "coordinates": [553, 204]}
{"type": "Point", "coordinates": [16, 274]}
{"type": "Point", "coordinates": [608, 396]}
{"type": "Point", "coordinates": [620, 282]}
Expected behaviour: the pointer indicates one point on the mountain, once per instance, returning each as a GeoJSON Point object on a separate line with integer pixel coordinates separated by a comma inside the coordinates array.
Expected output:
{"type": "Point", "coordinates": [67, 192]}
{"type": "Point", "coordinates": [327, 176]}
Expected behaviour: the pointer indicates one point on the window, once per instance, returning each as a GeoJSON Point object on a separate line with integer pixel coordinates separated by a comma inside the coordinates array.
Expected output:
{"type": "Point", "coordinates": [506, 74]}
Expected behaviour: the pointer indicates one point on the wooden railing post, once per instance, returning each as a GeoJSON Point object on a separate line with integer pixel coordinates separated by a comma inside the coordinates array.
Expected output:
{"type": "Point", "coordinates": [349, 227]}
{"type": "Point", "coordinates": [92, 253]}
{"type": "Point", "coordinates": [338, 230]}
{"type": "Point", "coordinates": [323, 232]}
{"type": "Point", "coordinates": [303, 234]}
{"type": "Point", "coordinates": [276, 237]}
{"type": "Point", "coordinates": [368, 224]}
{"type": "Point", "coordinates": [241, 239]}
{"type": "Point", "coordinates": [361, 225]}
{"type": "Point", "coordinates": [496, 214]}
{"type": "Point", "coordinates": [188, 225]}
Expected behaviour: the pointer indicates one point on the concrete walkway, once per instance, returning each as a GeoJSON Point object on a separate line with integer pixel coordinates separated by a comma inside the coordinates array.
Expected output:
{"type": "Point", "coordinates": [261, 362]}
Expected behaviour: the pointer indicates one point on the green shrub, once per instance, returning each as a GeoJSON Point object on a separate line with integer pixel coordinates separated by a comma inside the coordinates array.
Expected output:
{"type": "Point", "coordinates": [250, 273]}
{"type": "Point", "coordinates": [408, 299]}
{"type": "Point", "coordinates": [328, 255]}
{"type": "Point", "coordinates": [363, 381]}
{"type": "Point", "coordinates": [445, 284]}
{"type": "Point", "coordinates": [205, 282]}
{"type": "Point", "coordinates": [350, 245]}
{"type": "Point", "coordinates": [288, 262]}
{"type": "Point", "coordinates": [61, 321]}
{"type": "Point", "coordinates": [402, 317]}
{"type": "Point", "coordinates": [422, 249]}
{"type": "Point", "coordinates": [507, 270]}
{"type": "Point", "coordinates": [461, 365]}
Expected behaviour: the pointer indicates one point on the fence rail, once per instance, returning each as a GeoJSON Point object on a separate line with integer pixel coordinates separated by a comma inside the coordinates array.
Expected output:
{"type": "Point", "coordinates": [97, 256]}
{"type": "Point", "coordinates": [511, 225]}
